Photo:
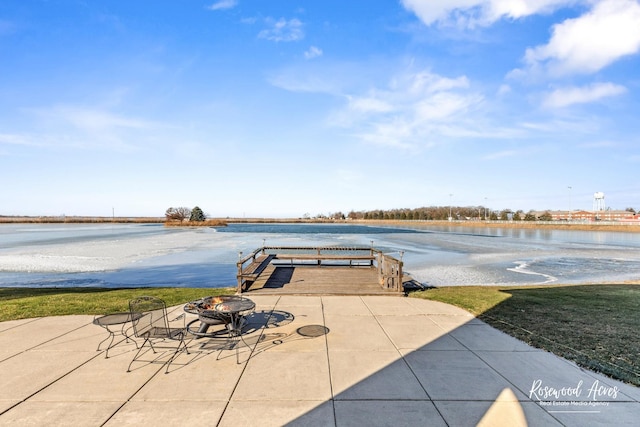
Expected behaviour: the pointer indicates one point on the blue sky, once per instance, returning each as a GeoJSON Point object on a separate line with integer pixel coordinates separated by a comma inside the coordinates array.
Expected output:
{"type": "Point", "coordinates": [281, 108]}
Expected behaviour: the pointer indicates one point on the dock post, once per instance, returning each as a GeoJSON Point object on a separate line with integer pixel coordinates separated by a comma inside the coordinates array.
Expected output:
{"type": "Point", "coordinates": [239, 265]}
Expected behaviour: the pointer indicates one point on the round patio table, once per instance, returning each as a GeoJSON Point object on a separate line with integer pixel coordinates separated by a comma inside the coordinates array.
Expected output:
{"type": "Point", "coordinates": [235, 309]}
{"type": "Point", "coordinates": [115, 319]}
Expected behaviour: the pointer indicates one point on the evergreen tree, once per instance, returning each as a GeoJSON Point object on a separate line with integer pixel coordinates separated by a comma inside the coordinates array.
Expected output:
{"type": "Point", "coordinates": [197, 214]}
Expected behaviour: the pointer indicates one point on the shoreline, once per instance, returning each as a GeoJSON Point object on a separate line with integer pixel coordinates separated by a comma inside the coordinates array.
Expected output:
{"type": "Point", "coordinates": [630, 227]}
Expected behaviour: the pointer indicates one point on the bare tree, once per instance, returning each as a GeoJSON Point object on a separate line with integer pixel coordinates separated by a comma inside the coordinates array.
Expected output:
{"type": "Point", "coordinates": [177, 214]}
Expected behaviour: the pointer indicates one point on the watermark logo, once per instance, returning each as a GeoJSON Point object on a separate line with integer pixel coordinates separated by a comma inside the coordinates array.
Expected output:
{"type": "Point", "coordinates": [580, 397]}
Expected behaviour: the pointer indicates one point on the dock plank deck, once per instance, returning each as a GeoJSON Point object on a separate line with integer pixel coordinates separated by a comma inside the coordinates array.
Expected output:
{"type": "Point", "coordinates": [317, 280]}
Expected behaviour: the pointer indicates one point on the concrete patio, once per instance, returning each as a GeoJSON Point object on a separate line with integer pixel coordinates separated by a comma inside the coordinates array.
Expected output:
{"type": "Point", "coordinates": [383, 361]}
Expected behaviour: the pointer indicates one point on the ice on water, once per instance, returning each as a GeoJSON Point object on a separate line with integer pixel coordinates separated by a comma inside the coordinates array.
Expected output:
{"type": "Point", "coordinates": [152, 255]}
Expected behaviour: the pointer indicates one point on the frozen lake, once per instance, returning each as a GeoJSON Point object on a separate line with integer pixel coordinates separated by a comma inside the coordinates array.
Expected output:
{"type": "Point", "coordinates": [141, 255]}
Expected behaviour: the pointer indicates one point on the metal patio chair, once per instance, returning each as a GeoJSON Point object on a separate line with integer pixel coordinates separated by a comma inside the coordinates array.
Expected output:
{"type": "Point", "coordinates": [152, 325]}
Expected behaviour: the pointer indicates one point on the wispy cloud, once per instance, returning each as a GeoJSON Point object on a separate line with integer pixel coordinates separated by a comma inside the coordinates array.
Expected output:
{"type": "Point", "coordinates": [49, 139]}
{"type": "Point", "coordinates": [567, 96]}
{"type": "Point", "coordinates": [369, 104]}
{"type": "Point", "coordinates": [282, 30]}
{"type": "Point", "coordinates": [500, 155]}
{"type": "Point", "coordinates": [313, 52]}
{"type": "Point", "coordinates": [504, 89]}
{"type": "Point", "coordinates": [16, 139]}
{"type": "Point", "coordinates": [412, 110]}
{"type": "Point", "coordinates": [472, 13]}
{"type": "Point", "coordinates": [599, 144]}
{"type": "Point", "coordinates": [315, 77]}
{"type": "Point", "coordinates": [586, 44]}
{"type": "Point", "coordinates": [85, 127]}
{"type": "Point", "coordinates": [87, 118]}
{"type": "Point", "coordinates": [223, 5]}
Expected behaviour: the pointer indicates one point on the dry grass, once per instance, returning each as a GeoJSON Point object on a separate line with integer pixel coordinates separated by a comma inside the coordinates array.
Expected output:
{"type": "Point", "coordinates": [107, 220]}
{"type": "Point", "coordinates": [205, 223]}
{"type": "Point", "coordinates": [77, 220]}
{"type": "Point", "coordinates": [596, 326]}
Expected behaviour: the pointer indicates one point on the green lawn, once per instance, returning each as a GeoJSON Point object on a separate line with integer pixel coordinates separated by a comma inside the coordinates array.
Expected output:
{"type": "Point", "coordinates": [21, 303]}
{"type": "Point", "coordinates": [594, 325]}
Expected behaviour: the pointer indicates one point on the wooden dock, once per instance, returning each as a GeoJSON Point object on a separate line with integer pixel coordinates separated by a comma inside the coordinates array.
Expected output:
{"type": "Point", "coordinates": [319, 271]}
{"type": "Point", "coordinates": [314, 280]}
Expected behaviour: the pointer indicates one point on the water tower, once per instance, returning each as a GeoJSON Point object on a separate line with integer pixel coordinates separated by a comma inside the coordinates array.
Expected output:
{"type": "Point", "coordinates": [598, 201]}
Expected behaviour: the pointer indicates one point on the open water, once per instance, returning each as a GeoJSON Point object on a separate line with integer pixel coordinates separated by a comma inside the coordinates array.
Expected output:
{"type": "Point", "coordinates": [141, 255]}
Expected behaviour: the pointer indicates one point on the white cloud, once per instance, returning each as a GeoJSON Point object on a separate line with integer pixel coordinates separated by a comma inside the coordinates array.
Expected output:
{"type": "Point", "coordinates": [608, 32]}
{"type": "Point", "coordinates": [394, 133]}
{"type": "Point", "coordinates": [87, 127]}
{"type": "Point", "coordinates": [500, 155]}
{"type": "Point", "coordinates": [441, 107]}
{"type": "Point", "coordinates": [313, 52]}
{"type": "Point", "coordinates": [600, 144]}
{"type": "Point", "coordinates": [471, 13]}
{"type": "Point", "coordinates": [565, 97]}
{"type": "Point", "coordinates": [410, 111]}
{"type": "Point", "coordinates": [13, 139]}
{"type": "Point", "coordinates": [223, 5]}
{"type": "Point", "coordinates": [249, 20]}
{"type": "Point", "coordinates": [283, 30]}
{"type": "Point", "coordinates": [426, 83]}
{"type": "Point", "coordinates": [92, 119]}
{"type": "Point", "coordinates": [310, 84]}
{"type": "Point", "coordinates": [514, 9]}
{"type": "Point", "coordinates": [504, 89]}
{"type": "Point", "coordinates": [321, 77]}
{"type": "Point", "coordinates": [369, 105]}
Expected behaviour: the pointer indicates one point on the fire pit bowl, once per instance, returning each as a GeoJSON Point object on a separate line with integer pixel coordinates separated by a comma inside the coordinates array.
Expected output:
{"type": "Point", "coordinates": [204, 308]}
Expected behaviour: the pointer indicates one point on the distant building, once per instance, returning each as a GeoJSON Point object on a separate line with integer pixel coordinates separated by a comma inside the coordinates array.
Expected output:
{"type": "Point", "coordinates": [586, 216]}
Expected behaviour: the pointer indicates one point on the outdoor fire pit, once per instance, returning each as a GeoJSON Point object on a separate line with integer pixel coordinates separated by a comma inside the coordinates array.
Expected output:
{"type": "Point", "coordinates": [225, 310]}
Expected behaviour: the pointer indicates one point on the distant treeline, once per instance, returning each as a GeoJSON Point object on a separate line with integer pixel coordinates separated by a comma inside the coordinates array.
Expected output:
{"type": "Point", "coordinates": [433, 213]}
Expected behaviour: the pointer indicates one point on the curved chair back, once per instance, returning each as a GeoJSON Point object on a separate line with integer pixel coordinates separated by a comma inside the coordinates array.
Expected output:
{"type": "Point", "coordinates": [153, 317]}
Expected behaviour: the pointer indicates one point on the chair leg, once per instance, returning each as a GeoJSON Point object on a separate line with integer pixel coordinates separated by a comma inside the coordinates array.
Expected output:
{"type": "Point", "coordinates": [138, 353]}
{"type": "Point", "coordinates": [185, 343]}
{"type": "Point", "coordinates": [182, 346]}
{"type": "Point", "coordinates": [127, 336]}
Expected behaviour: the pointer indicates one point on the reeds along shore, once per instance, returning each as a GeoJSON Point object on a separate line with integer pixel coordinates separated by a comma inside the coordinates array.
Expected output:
{"type": "Point", "coordinates": [631, 227]}
{"type": "Point", "coordinates": [108, 220]}
{"type": "Point", "coordinates": [77, 220]}
{"type": "Point", "coordinates": [205, 223]}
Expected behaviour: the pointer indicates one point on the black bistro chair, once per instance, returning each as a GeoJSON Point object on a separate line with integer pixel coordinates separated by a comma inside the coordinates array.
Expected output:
{"type": "Point", "coordinates": [152, 325]}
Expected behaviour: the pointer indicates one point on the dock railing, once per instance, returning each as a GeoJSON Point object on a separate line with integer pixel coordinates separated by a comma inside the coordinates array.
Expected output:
{"type": "Point", "coordinates": [389, 272]}
{"type": "Point", "coordinates": [389, 269]}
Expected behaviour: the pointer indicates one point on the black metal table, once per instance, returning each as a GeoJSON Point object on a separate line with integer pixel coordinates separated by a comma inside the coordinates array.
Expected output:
{"type": "Point", "coordinates": [115, 319]}
{"type": "Point", "coordinates": [235, 310]}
